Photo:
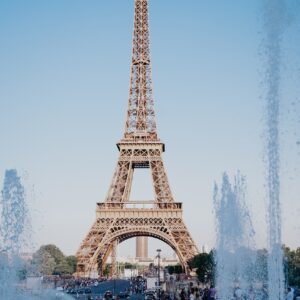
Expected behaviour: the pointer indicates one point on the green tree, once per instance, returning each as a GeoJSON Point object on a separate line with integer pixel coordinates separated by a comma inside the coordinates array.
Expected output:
{"type": "Point", "coordinates": [292, 266]}
{"type": "Point", "coordinates": [204, 265]}
{"type": "Point", "coordinates": [106, 271]}
{"type": "Point", "coordinates": [50, 260]}
{"type": "Point", "coordinates": [177, 269]}
{"type": "Point", "coordinates": [128, 265]}
{"type": "Point", "coordinates": [72, 262]}
{"type": "Point", "coordinates": [62, 268]}
{"type": "Point", "coordinates": [43, 262]}
{"type": "Point", "coordinates": [55, 252]}
{"type": "Point", "coordinates": [170, 269]}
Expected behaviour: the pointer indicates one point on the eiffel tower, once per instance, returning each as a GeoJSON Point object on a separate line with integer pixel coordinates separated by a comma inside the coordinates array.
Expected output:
{"type": "Point", "coordinates": [117, 218]}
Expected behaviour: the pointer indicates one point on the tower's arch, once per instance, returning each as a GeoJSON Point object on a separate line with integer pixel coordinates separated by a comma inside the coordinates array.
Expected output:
{"type": "Point", "coordinates": [121, 222]}
{"type": "Point", "coordinates": [105, 249]}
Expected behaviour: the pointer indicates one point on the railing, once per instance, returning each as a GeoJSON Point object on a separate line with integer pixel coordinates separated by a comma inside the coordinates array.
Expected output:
{"type": "Point", "coordinates": [139, 205]}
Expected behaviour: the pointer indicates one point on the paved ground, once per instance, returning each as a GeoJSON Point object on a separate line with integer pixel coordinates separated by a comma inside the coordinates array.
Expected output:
{"type": "Point", "coordinates": [115, 286]}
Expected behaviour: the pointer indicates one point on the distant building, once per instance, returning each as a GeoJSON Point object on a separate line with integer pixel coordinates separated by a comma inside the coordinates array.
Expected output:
{"type": "Point", "coordinates": [141, 248]}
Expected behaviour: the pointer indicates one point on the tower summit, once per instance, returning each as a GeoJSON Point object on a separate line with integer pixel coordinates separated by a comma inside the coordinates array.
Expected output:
{"type": "Point", "coordinates": [117, 218]}
{"type": "Point", "coordinates": [140, 123]}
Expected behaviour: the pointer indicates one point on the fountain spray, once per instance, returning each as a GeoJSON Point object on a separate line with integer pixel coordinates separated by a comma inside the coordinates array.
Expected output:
{"type": "Point", "coordinates": [274, 19]}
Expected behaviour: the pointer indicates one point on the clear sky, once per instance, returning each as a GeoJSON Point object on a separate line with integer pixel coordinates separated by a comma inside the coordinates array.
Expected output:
{"type": "Point", "coordinates": [64, 80]}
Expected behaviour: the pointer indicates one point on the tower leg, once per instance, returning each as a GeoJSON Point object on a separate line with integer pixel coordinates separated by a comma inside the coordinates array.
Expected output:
{"type": "Point", "coordinates": [100, 266]}
{"type": "Point", "coordinates": [113, 270]}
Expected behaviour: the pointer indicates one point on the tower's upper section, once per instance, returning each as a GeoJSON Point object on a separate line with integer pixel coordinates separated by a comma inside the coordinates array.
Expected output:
{"type": "Point", "coordinates": [140, 123]}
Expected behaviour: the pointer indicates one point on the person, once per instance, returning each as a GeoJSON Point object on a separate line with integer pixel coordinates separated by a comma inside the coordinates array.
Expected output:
{"type": "Point", "coordinates": [192, 294]}
{"type": "Point", "coordinates": [212, 293]}
{"type": "Point", "coordinates": [182, 295]}
{"type": "Point", "coordinates": [290, 294]}
{"type": "Point", "coordinates": [205, 295]}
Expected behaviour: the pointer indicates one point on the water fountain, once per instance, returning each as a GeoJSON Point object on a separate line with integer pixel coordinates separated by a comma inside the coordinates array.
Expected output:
{"type": "Point", "coordinates": [13, 237]}
{"type": "Point", "coordinates": [13, 220]}
{"type": "Point", "coordinates": [234, 231]}
{"type": "Point", "coordinates": [235, 255]}
{"type": "Point", "coordinates": [274, 18]}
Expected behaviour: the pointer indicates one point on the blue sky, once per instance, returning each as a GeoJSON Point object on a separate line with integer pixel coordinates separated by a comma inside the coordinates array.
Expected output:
{"type": "Point", "coordinates": [64, 80]}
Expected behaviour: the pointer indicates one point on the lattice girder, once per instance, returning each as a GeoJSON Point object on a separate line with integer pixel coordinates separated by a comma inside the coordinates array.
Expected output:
{"type": "Point", "coordinates": [139, 155]}
{"type": "Point", "coordinates": [166, 225]}
{"type": "Point", "coordinates": [140, 113]}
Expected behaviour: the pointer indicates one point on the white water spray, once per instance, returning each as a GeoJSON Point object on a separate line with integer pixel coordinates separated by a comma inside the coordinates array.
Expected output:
{"type": "Point", "coordinates": [274, 18]}
{"type": "Point", "coordinates": [12, 228]}
{"type": "Point", "coordinates": [13, 237]}
{"type": "Point", "coordinates": [14, 212]}
{"type": "Point", "coordinates": [235, 254]}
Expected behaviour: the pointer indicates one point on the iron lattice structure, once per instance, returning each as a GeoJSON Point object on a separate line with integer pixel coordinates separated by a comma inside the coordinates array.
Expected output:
{"type": "Point", "coordinates": [117, 218]}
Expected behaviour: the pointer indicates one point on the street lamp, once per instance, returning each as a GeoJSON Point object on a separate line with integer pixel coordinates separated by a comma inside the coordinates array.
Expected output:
{"type": "Point", "coordinates": [158, 271]}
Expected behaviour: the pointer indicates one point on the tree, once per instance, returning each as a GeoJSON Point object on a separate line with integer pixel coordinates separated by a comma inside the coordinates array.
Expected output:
{"type": "Point", "coordinates": [258, 268]}
{"type": "Point", "coordinates": [49, 260]}
{"type": "Point", "coordinates": [129, 265]}
{"type": "Point", "coordinates": [292, 266]}
{"type": "Point", "coordinates": [107, 269]}
{"type": "Point", "coordinates": [177, 269]}
{"type": "Point", "coordinates": [72, 262]}
{"type": "Point", "coordinates": [62, 268]}
{"type": "Point", "coordinates": [55, 252]}
{"type": "Point", "coordinates": [170, 269]}
{"type": "Point", "coordinates": [205, 265]}
{"type": "Point", "coordinates": [43, 263]}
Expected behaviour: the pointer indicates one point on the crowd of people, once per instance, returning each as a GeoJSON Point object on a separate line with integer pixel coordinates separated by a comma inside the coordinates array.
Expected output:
{"type": "Point", "coordinates": [195, 293]}
{"type": "Point", "coordinates": [190, 291]}
{"type": "Point", "coordinates": [137, 285]}
{"type": "Point", "coordinates": [76, 283]}
{"type": "Point", "coordinates": [210, 293]}
{"type": "Point", "coordinates": [68, 282]}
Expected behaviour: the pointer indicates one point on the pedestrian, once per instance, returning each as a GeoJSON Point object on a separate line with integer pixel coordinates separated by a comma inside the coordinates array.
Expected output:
{"type": "Point", "coordinates": [182, 295]}
{"type": "Point", "coordinates": [192, 295]}
{"type": "Point", "coordinates": [197, 296]}
{"type": "Point", "coordinates": [290, 294]}
{"type": "Point", "coordinates": [212, 293]}
{"type": "Point", "coordinates": [205, 293]}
